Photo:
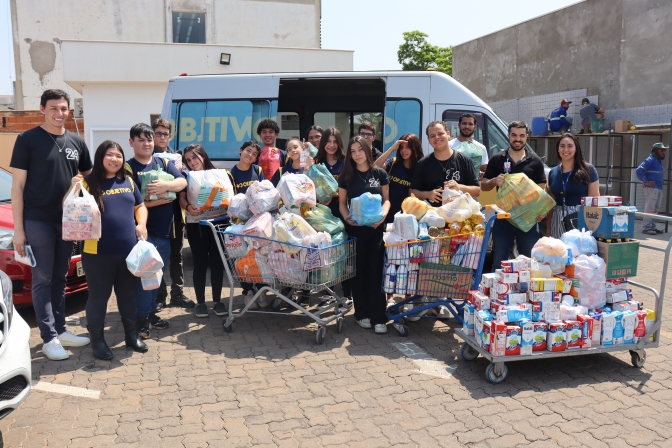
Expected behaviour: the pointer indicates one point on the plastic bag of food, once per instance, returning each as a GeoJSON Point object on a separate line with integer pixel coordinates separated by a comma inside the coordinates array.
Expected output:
{"type": "Point", "coordinates": [292, 229]}
{"type": "Point", "coordinates": [209, 189]}
{"type": "Point", "coordinates": [396, 249]}
{"type": "Point", "coordinates": [552, 251]}
{"type": "Point", "coordinates": [325, 184]}
{"type": "Point", "coordinates": [432, 219]}
{"type": "Point", "coordinates": [582, 240]}
{"type": "Point", "coordinates": [457, 210]}
{"type": "Point", "coordinates": [366, 209]}
{"type": "Point", "coordinates": [314, 254]}
{"type": "Point", "coordinates": [297, 191]}
{"type": "Point", "coordinates": [415, 207]}
{"type": "Point", "coordinates": [171, 157]}
{"type": "Point", "coordinates": [450, 194]}
{"type": "Point", "coordinates": [591, 270]}
{"type": "Point", "coordinates": [540, 270]}
{"type": "Point", "coordinates": [144, 259]}
{"type": "Point", "coordinates": [254, 268]}
{"type": "Point", "coordinates": [339, 238]}
{"type": "Point", "coordinates": [147, 177]}
{"type": "Point", "coordinates": [234, 244]}
{"type": "Point", "coordinates": [239, 208]}
{"type": "Point", "coordinates": [473, 203]}
{"type": "Point", "coordinates": [259, 226]}
{"type": "Point", "coordinates": [322, 220]}
{"type": "Point", "coordinates": [524, 200]}
{"type": "Point", "coordinates": [151, 281]}
{"type": "Point", "coordinates": [81, 216]}
{"type": "Point", "coordinates": [287, 266]}
{"type": "Point", "coordinates": [406, 226]}
{"type": "Point", "coordinates": [262, 197]}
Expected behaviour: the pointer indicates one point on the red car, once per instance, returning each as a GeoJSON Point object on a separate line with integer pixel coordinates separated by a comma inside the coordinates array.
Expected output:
{"type": "Point", "coordinates": [20, 273]}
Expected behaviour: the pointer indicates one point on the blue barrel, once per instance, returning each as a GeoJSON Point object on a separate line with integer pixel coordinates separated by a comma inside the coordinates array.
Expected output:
{"type": "Point", "coordinates": [539, 126]}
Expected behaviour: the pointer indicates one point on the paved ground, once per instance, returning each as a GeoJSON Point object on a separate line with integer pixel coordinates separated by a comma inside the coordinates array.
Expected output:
{"type": "Point", "coordinates": [269, 384]}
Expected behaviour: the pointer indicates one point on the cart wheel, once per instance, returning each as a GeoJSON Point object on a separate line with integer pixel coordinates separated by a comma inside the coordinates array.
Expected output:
{"type": "Point", "coordinates": [228, 328]}
{"type": "Point", "coordinates": [401, 329]}
{"type": "Point", "coordinates": [468, 352]}
{"type": "Point", "coordinates": [339, 325]}
{"type": "Point", "coordinates": [319, 336]}
{"type": "Point", "coordinates": [638, 358]}
{"type": "Point", "coordinates": [277, 304]}
{"type": "Point", "coordinates": [493, 377]}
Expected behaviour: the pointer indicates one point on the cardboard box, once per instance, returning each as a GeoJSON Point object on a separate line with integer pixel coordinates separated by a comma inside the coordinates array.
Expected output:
{"type": "Point", "coordinates": [511, 298]}
{"type": "Point", "coordinates": [544, 296]}
{"type": "Point", "coordinates": [587, 325]}
{"type": "Point", "coordinates": [608, 222]}
{"type": "Point", "coordinates": [513, 337]}
{"type": "Point", "coordinates": [506, 277]}
{"type": "Point", "coordinates": [622, 125]}
{"type": "Point", "coordinates": [539, 337]}
{"type": "Point", "coordinates": [479, 300]}
{"type": "Point", "coordinates": [602, 201]}
{"type": "Point", "coordinates": [505, 288]}
{"type": "Point", "coordinates": [619, 330]}
{"type": "Point", "coordinates": [573, 330]}
{"type": "Point", "coordinates": [526, 337]}
{"type": "Point", "coordinates": [498, 338]}
{"type": "Point", "coordinates": [621, 258]}
{"type": "Point", "coordinates": [489, 279]}
{"type": "Point", "coordinates": [524, 276]}
{"type": "Point", "coordinates": [555, 339]}
{"type": "Point", "coordinates": [566, 283]}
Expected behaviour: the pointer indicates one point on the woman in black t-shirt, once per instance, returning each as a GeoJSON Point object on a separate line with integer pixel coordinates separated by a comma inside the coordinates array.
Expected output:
{"type": "Point", "coordinates": [360, 176]}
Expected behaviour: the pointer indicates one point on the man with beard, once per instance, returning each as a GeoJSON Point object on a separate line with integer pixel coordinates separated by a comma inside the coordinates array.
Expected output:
{"type": "Point", "coordinates": [466, 144]}
{"type": "Point", "coordinates": [516, 159]}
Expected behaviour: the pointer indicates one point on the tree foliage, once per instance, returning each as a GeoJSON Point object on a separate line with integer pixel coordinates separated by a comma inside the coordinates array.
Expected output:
{"type": "Point", "coordinates": [418, 54]}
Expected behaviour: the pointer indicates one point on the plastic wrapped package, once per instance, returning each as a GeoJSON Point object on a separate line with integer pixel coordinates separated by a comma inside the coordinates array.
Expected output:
{"type": "Point", "coordinates": [582, 240]}
{"type": "Point", "coordinates": [415, 207]}
{"type": "Point", "coordinates": [396, 253]}
{"type": "Point", "coordinates": [171, 157]}
{"type": "Point", "coordinates": [339, 238]}
{"type": "Point", "coordinates": [239, 208]}
{"type": "Point", "coordinates": [540, 270]}
{"type": "Point", "coordinates": [292, 229]}
{"type": "Point", "coordinates": [147, 177]}
{"type": "Point", "coordinates": [449, 195]}
{"type": "Point", "coordinates": [524, 200]}
{"type": "Point", "coordinates": [366, 209]}
{"type": "Point", "coordinates": [287, 266]}
{"type": "Point", "coordinates": [457, 210]}
{"type": "Point", "coordinates": [151, 281]}
{"type": "Point", "coordinates": [591, 270]}
{"type": "Point", "coordinates": [262, 197]}
{"type": "Point", "coordinates": [551, 251]}
{"type": "Point", "coordinates": [254, 268]}
{"type": "Point", "coordinates": [406, 226]}
{"type": "Point", "coordinates": [313, 255]}
{"type": "Point", "coordinates": [473, 203]}
{"type": "Point", "coordinates": [235, 245]}
{"type": "Point", "coordinates": [432, 219]}
{"type": "Point", "coordinates": [209, 189]}
{"type": "Point", "coordinates": [144, 259]}
{"type": "Point", "coordinates": [259, 225]}
{"type": "Point", "coordinates": [322, 220]}
{"type": "Point", "coordinates": [297, 191]}
{"type": "Point", "coordinates": [325, 184]}
{"type": "Point", "coordinates": [81, 216]}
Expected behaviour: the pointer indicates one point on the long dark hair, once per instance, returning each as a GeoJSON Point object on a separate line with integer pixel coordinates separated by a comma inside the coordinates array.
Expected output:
{"type": "Point", "coordinates": [322, 153]}
{"type": "Point", "coordinates": [580, 173]}
{"type": "Point", "coordinates": [416, 149]}
{"type": "Point", "coordinates": [199, 151]}
{"type": "Point", "coordinates": [349, 167]}
{"type": "Point", "coordinates": [98, 175]}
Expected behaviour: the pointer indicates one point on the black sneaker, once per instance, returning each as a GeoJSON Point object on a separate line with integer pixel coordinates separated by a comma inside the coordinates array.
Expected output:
{"type": "Point", "coordinates": [143, 328]}
{"type": "Point", "coordinates": [181, 301]}
{"type": "Point", "coordinates": [220, 309]}
{"type": "Point", "coordinates": [158, 323]}
{"type": "Point", "coordinates": [201, 310]}
{"type": "Point", "coordinates": [160, 305]}
{"type": "Point", "coordinates": [658, 231]}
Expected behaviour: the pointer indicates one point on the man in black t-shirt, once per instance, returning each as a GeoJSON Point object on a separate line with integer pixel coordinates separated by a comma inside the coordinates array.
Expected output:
{"type": "Point", "coordinates": [44, 162]}
{"type": "Point", "coordinates": [443, 168]}
{"type": "Point", "coordinates": [516, 159]}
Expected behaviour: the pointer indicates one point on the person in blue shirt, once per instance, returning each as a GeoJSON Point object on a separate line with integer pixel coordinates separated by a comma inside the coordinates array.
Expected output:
{"type": "Point", "coordinates": [160, 216]}
{"type": "Point", "coordinates": [651, 173]}
{"type": "Point", "coordinates": [558, 121]}
{"type": "Point", "coordinates": [568, 182]}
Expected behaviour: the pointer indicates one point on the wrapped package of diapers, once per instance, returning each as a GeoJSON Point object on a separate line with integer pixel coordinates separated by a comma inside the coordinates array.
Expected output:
{"type": "Point", "coordinates": [210, 191]}
{"type": "Point", "coordinates": [297, 191]}
{"type": "Point", "coordinates": [262, 197]}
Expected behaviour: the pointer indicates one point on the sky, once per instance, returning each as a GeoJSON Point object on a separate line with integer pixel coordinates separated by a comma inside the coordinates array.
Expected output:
{"type": "Point", "coordinates": [373, 28]}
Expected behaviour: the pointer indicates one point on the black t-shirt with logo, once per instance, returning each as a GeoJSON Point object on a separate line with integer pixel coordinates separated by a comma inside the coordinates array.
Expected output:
{"type": "Point", "coordinates": [368, 182]}
{"type": "Point", "coordinates": [51, 161]}
{"type": "Point", "coordinates": [531, 165]}
{"type": "Point", "coordinates": [243, 179]}
{"type": "Point", "coordinates": [430, 173]}
{"type": "Point", "coordinates": [400, 183]}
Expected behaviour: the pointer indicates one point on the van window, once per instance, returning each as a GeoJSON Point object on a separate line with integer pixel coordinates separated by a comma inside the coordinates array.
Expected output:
{"type": "Point", "coordinates": [220, 126]}
{"type": "Point", "coordinates": [401, 116]}
{"type": "Point", "coordinates": [452, 120]}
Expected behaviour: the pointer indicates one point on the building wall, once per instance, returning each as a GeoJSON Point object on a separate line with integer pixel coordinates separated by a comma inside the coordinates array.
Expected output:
{"type": "Point", "coordinates": [39, 27]}
{"type": "Point", "coordinates": [616, 49]}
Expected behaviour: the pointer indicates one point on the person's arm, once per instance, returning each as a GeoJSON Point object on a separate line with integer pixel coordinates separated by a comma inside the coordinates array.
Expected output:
{"type": "Point", "coordinates": [594, 188]}
{"type": "Point", "coordinates": [19, 177]}
{"type": "Point", "coordinates": [489, 184]}
{"type": "Point", "coordinates": [380, 161]}
{"type": "Point", "coordinates": [74, 181]}
{"type": "Point", "coordinates": [343, 206]}
{"type": "Point", "coordinates": [642, 176]}
{"type": "Point", "coordinates": [190, 208]}
{"type": "Point", "coordinates": [141, 218]}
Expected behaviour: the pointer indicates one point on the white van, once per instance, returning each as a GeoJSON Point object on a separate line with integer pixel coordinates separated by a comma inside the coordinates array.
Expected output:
{"type": "Point", "coordinates": [222, 111]}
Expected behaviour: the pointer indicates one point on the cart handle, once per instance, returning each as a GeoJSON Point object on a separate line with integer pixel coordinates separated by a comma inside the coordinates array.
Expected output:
{"type": "Point", "coordinates": [501, 214]}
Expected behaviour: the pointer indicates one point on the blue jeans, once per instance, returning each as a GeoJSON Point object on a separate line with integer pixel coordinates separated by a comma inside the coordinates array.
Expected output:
{"type": "Point", "coordinates": [503, 236]}
{"type": "Point", "coordinates": [53, 260]}
{"type": "Point", "coordinates": [146, 300]}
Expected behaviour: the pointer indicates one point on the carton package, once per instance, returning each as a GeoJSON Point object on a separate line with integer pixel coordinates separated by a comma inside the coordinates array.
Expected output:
{"type": "Point", "coordinates": [505, 288]}
{"type": "Point", "coordinates": [629, 323]}
{"type": "Point", "coordinates": [619, 331]}
{"type": "Point", "coordinates": [543, 296]}
{"type": "Point", "coordinates": [522, 263]}
{"type": "Point", "coordinates": [555, 338]}
{"type": "Point", "coordinates": [498, 338]}
{"type": "Point", "coordinates": [513, 336]}
{"type": "Point", "coordinates": [621, 306]}
{"type": "Point", "coordinates": [640, 326]}
{"type": "Point", "coordinates": [573, 334]}
{"type": "Point", "coordinates": [479, 300]}
{"type": "Point", "coordinates": [634, 305]}
{"type": "Point", "coordinates": [597, 329]}
{"type": "Point", "coordinates": [546, 284]}
{"type": "Point", "coordinates": [524, 276]}
{"type": "Point", "coordinates": [514, 313]}
{"type": "Point", "coordinates": [539, 336]}
{"type": "Point", "coordinates": [615, 285]}
{"type": "Point", "coordinates": [618, 296]}
{"type": "Point", "coordinates": [608, 222]}
{"type": "Point", "coordinates": [602, 201]}
{"type": "Point", "coordinates": [468, 321]}
{"type": "Point", "coordinates": [622, 125]}
{"type": "Point", "coordinates": [650, 319]}
{"type": "Point", "coordinates": [621, 258]}
{"type": "Point", "coordinates": [566, 283]}
{"type": "Point", "coordinates": [540, 310]}
{"type": "Point", "coordinates": [489, 279]}
{"type": "Point", "coordinates": [484, 289]}
{"type": "Point", "coordinates": [552, 316]}
{"type": "Point", "coordinates": [511, 298]}
{"type": "Point", "coordinates": [608, 324]}
{"type": "Point", "coordinates": [587, 325]}
{"type": "Point", "coordinates": [506, 277]}
{"type": "Point", "coordinates": [526, 337]}
{"type": "Point", "coordinates": [482, 321]}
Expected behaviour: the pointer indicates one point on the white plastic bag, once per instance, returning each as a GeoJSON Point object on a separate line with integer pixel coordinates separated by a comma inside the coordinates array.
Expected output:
{"type": "Point", "coordinates": [259, 225]}
{"type": "Point", "coordinates": [397, 254]}
{"type": "Point", "coordinates": [287, 266]}
{"type": "Point", "coordinates": [552, 251]}
{"type": "Point", "coordinates": [169, 156]}
{"type": "Point", "coordinates": [591, 272]}
{"type": "Point", "coordinates": [457, 210]}
{"type": "Point", "coordinates": [318, 256]}
{"type": "Point", "coordinates": [432, 219]}
{"type": "Point", "coordinates": [210, 189]}
{"type": "Point", "coordinates": [297, 191]}
{"type": "Point", "coordinates": [81, 216]}
{"type": "Point", "coordinates": [239, 208]}
{"type": "Point", "coordinates": [151, 281]}
{"type": "Point", "coordinates": [292, 229]}
{"type": "Point", "coordinates": [406, 226]}
{"type": "Point", "coordinates": [581, 239]}
{"type": "Point", "coordinates": [262, 197]}
{"type": "Point", "coordinates": [144, 259]}
{"type": "Point", "coordinates": [450, 194]}
{"type": "Point", "coordinates": [235, 245]}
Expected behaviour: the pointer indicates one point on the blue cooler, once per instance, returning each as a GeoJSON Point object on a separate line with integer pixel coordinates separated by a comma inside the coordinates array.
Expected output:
{"type": "Point", "coordinates": [539, 127]}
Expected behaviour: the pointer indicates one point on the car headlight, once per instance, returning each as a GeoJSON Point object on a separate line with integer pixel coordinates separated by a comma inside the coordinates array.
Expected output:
{"type": "Point", "coordinates": [6, 239]}
{"type": "Point", "coordinates": [7, 297]}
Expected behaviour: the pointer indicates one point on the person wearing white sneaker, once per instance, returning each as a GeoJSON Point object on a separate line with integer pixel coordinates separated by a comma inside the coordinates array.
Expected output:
{"type": "Point", "coordinates": [380, 328]}
{"type": "Point", "coordinates": [68, 339]}
{"type": "Point", "coordinates": [364, 323]}
{"type": "Point", "coordinates": [54, 350]}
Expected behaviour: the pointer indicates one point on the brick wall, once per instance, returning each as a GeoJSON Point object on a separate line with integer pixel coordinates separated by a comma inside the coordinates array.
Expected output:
{"type": "Point", "coordinates": [23, 120]}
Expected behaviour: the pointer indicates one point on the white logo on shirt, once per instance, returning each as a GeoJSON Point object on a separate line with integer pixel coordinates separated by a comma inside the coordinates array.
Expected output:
{"type": "Point", "coordinates": [456, 176]}
{"type": "Point", "coordinates": [71, 154]}
{"type": "Point", "coordinates": [373, 182]}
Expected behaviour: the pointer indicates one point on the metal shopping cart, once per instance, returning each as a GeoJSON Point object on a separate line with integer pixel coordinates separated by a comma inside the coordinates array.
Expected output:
{"type": "Point", "coordinates": [438, 272]}
{"type": "Point", "coordinates": [283, 268]}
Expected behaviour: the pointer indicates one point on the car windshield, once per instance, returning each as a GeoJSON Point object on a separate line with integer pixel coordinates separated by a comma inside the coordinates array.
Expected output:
{"type": "Point", "coordinates": [5, 186]}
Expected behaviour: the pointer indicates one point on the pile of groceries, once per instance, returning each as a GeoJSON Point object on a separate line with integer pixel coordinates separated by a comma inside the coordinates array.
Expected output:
{"type": "Point", "coordinates": [571, 294]}
{"type": "Point", "coordinates": [434, 250]}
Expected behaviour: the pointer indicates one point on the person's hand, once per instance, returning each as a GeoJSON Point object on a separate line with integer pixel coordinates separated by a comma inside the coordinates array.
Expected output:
{"type": "Point", "coordinates": [76, 179]}
{"type": "Point", "coordinates": [193, 210]}
{"type": "Point", "coordinates": [397, 144]}
{"type": "Point", "coordinates": [650, 183]}
{"type": "Point", "coordinates": [350, 221]}
{"type": "Point", "coordinates": [452, 184]}
{"type": "Point", "coordinates": [541, 218]}
{"type": "Point", "coordinates": [157, 202]}
{"type": "Point", "coordinates": [309, 162]}
{"type": "Point", "coordinates": [141, 232]}
{"type": "Point", "coordinates": [19, 242]}
{"type": "Point", "coordinates": [157, 187]}
{"type": "Point", "coordinates": [436, 195]}
{"type": "Point", "coordinates": [499, 180]}
{"type": "Point", "coordinates": [379, 222]}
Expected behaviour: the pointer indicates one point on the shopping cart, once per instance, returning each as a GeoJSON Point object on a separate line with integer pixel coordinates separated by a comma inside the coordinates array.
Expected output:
{"type": "Point", "coordinates": [438, 272]}
{"type": "Point", "coordinates": [283, 268]}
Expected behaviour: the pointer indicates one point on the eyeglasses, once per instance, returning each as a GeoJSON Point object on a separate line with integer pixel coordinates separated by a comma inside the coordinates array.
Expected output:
{"type": "Point", "coordinates": [366, 134]}
{"type": "Point", "coordinates": [162, 134]}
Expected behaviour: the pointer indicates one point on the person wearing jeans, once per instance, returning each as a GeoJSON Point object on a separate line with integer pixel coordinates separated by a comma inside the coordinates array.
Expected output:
{"type": "Point", "coordinates": [651, 173]}
{"type": "Point", "coordinates": [44, 161]}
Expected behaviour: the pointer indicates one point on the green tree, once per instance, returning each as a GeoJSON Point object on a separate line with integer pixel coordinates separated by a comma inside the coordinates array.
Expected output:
{"type": "Point", "coordinates": [418, 54]}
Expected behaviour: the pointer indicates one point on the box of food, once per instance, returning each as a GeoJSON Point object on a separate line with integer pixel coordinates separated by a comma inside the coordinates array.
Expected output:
{"type": "Point", "coordinates": [555, 338]}
{"type": "Point", "coordinates": [544, 296]}
{"type": "Point", "coordinates": [506, 277]}
{"type": "Point", "coordinates": [513, 336]}
{"type": "Point", "coordinates": [511, 298]}
{"type": "Point", "coordinates": [621, 258]}
{"type": "Point", "coordinates": [602, 201]}
{"type": "Point", "coordinates": [498, 338]}
{"type": "Point", "coordinates": [524, 276]}
{"type": "Point", "coordinates": [546, 284]}
{"type": "Point", "coordinates": [622, 125]}
{"type": "Point", "coordinates": [468, 321]}
{"type": "Point", "coordinates": [615, 285]}
{"type": "Point", "coordinates": [489, 279]}
{"type": "Point", "coordinates": [619, 330]}
{"type": "Point", "coordinates": [479, 300]}
{"type": "Point", "coordinates": [587, 325]}
{"type": "Point", "coordinates": [514, 313]}
{"type": "Point", "coordinates": [522, 263]}
{"type": "Point", "coordinates": [539, 337]}
{"type": "Point", "coordinates": [505, 288]}
{"type": "Point", "coordinates": [608, 222]}
{"type": "Point", "coordinates": [573, 334]}
{"type": "Point", "coordinates": [566, 283]}
{"type": "Point", "coordinates": [526, 337]}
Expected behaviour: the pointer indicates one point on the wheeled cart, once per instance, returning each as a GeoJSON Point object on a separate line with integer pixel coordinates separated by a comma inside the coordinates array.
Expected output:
{"type": "Point", "coordinates": [281, 268]}
{"type": "Point", "coordinates": [497, 370]}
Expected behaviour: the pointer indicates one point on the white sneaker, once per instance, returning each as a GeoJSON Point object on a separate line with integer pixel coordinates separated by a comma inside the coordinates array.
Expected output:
{"type": "Point", "coordinates": [54, 350]}
{"type": "Point", "coordinates": [442, 311]}
{"type": "Point", "coordinates": [248, 299]}
{"type": "Point", "coordinates": [380, 328]}
{"type": "Point", "coordinates": [365, 323]}
{"type": "Point", "coordinates": [391, 302]}
{"type": "Point", "coordinates": [262, 301]}
{"type": "Point", "coordinates": [68, 339]}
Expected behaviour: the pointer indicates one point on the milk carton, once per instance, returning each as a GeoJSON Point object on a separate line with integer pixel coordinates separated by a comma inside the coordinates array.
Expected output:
{"type": "Point", "coordinates": [618, 327]}
{"type": "Point", "coordinates": [587, 324]}
{"type": "Point", "coordinates": [555, 337]}
{"type": "Point", "coordinates": [468, 321]}
{"type": "Point", "coordinates": [505, 288]}
{"type": "Point", "coordinates": [514, 313]}
{"type": "Point", "coordinates": [573, 332]}
{"type": "Point", "coordinates": [597, 329]}
{"type": "Point", "coordinates": [479, 300]}
{"type": "Point", "coordinates": [539, 336]}
{"type": "Point", "coordinates": [488, 280]}
{"type": "Point", "coordinates": [512, 298]}
{"type": "Point", "coordinates": [526, 337]}
{"type": "Point", "coordinates": [481, 324]}
{"type": "Point", "coordinates": [608, 323]}
{"type": "Point", "coordinates": [506, 277]}
{"type": "Point", "coordinates": [542, 296]}
{"type": "Point", "coordinates": [552, 316]}
{"type": "Point", "coordinates": [650, 319]}
{"type": "Point", "coordinates": [498, 338]}
{"type": "Point", "coordinates": [615, 285]}
{"type": "Point", "coordinates": [486, 335]}
{"type": "Point", "coordinates": [640, 327]}
{"type": "Point", "coordinates": [513, 337]}
{"type": "Point", "coordinates": [629, 323]}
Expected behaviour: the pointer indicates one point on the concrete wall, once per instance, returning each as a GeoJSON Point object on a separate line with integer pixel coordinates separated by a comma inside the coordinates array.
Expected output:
{"type": "Point", "coordinates": [39, 27]}
{"type": "Point", "coordinates": [616, 49]}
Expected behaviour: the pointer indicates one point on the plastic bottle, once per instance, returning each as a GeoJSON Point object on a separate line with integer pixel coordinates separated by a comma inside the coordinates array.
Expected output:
{"type": "Point", "coordinates": [402, 279]}
{"type": "Point", "coordinates": [390, 279]}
